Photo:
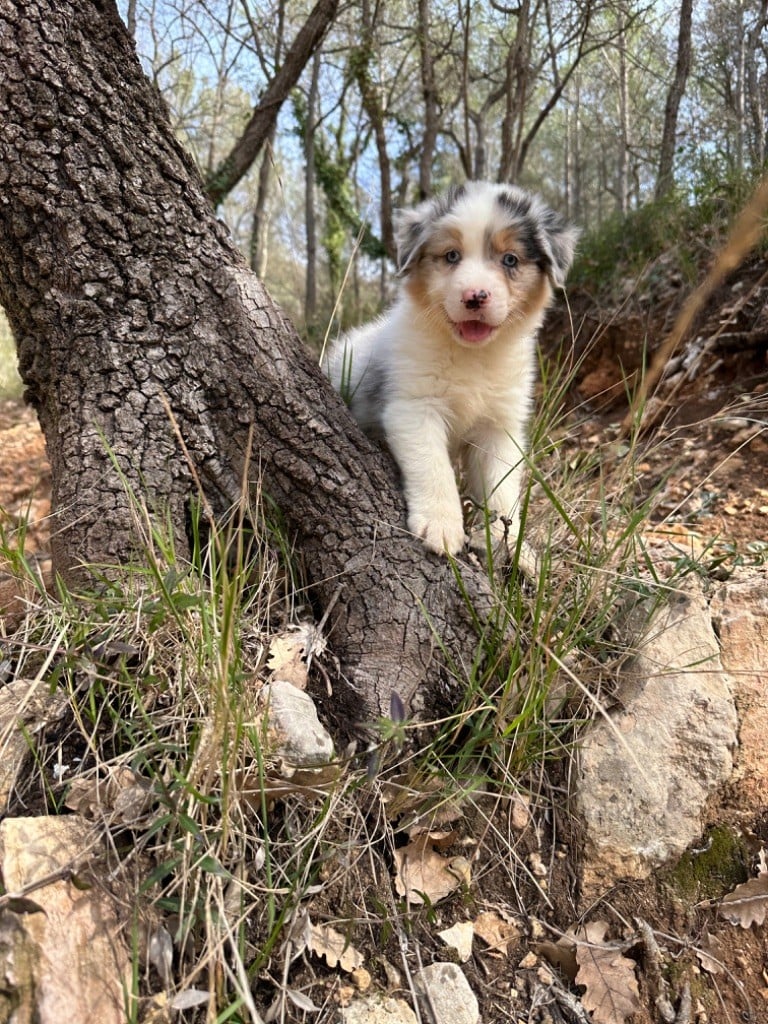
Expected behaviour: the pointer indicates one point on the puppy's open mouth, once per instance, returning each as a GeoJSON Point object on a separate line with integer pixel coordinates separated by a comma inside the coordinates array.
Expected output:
{"type": "Point", "coordinates": [474, 331]}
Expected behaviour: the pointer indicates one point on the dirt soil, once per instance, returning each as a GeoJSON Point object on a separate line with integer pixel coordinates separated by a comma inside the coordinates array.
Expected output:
{"type": "Point", "coordinates": [705, 453]}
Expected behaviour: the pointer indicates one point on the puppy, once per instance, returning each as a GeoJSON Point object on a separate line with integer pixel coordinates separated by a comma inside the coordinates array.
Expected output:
{"type": "Point", "coordinates": [446, 377]}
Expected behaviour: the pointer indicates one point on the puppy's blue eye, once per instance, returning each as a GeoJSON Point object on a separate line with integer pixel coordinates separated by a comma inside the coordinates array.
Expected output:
{"type": "Point", "coordinates": [453, 256]}
{"type": "Point", "coordinates": [509, 260]}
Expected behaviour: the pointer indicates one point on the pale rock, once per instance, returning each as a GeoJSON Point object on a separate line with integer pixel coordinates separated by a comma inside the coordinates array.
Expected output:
{"type": "Point", "coordinates": [26, 706]}
{"type": "Point", "coordinates": [740, 615]}
{"type": "Point", "coordinates": [300, 738]}
{"type": "Point", "coordinates": [446, 991]}
{"type": "Point", "coordinates": [70, 962]}
{"type": "Point", "coordinates": [378, 1009]}
{"type": "Point", "coordinates": [459, 937]}
{"type": "Point", "coordinates": [645, 776]}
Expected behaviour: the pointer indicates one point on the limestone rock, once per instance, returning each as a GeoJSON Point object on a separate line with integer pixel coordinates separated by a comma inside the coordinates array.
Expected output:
{"type": "Point", "coordinates": [69, 961]}
{"type": "Point", "coordinates": [377, 1009]}
{"type": "Point", "coordinates": [645, 776]}
{"type": "Point", "coordinates": [460, 937]}
{"type": "Point", "coordinates": [300, 738]}
{"type": "Point", "coordinates": [447, 992]}
{"type": "Point", "coordinates": [28, 703]}
{"type": "Point", "coordinates": [740, 614]}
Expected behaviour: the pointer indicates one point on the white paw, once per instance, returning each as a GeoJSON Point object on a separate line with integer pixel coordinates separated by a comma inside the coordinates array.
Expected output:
{"type": "Point", "coordinates": [442, 533]}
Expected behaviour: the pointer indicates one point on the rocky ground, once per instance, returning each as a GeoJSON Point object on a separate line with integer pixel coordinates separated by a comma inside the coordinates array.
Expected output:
{"type": "Point", "coordinates": [647, 949]}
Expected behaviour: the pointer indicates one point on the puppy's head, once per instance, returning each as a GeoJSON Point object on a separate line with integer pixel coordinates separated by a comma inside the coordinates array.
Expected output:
{"type": "Point", "coordinates": [482, 257]}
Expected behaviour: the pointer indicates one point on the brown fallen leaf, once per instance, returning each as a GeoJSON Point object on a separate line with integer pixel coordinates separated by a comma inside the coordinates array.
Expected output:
{"type": "Point", "coordinates": [710, 953]}
{"type": "Point", "coordinates": [748, 903]}
{"type": "Point", "coordinates": [256, 789]}
{"type": "Point", "coordinates": [286, 659]}
{"type": "Point", "coordinates": [123, 795]}
{"type": "Point", "coordinates": [495, 932]}
{"type": "Point", "coordinates": [326, 941]}
{"type": "Point", "coordinates": [423, 872]}
{"type": "Point", "coordinates": [560, 954]}
{"type": "Point", "coordinates": [421, 801]}
{"type": "Point", "coordinates": [612, 994]}
{"type": "Point", "coordinates": [291, 651]}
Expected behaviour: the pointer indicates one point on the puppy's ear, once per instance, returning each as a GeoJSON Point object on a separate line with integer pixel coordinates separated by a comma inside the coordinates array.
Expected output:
{"type": "Point", "coordinates": [558, 241]}
{"type": "Point", "coordinates": [412, 227]}
{"type": "Point", "coordinates": [410, 234]}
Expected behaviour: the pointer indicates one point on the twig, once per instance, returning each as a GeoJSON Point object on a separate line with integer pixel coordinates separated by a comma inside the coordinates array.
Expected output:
{"type": "Point", "coordinates": [683, 1015]}
{"type": "Point", "coordinates": [653, 964]}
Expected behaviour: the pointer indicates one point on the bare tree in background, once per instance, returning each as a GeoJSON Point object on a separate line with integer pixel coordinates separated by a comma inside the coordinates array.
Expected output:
{"type": "Point", "coordinates": [665, 179]}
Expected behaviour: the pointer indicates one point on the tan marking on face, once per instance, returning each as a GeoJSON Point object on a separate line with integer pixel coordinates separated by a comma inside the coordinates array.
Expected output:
{"type": "Point", "coordinates": [434, 283]}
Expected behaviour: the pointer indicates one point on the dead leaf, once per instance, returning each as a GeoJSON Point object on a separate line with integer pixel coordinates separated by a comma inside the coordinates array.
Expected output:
{"type": "Point", "coordinates": [189, 998]}
{"type": "Point", "coordinates": [561, 955]}
{"type": "Point", "coordinates": [290, 652]}
{"type": "Point", "coordinates": [161, 953]}
{"type": "Point", "coordinates": [748, 903]}
{"type": "Point", "coordinates": [337, 950]}
{"type": "Point", "coordinates": [419, 800]}
{"type": "Point", "coordinates": [123, 795]}
{"type": "Point", "coordinates": [286, 659]}
{"type": "Point", "coordinates": [612, 994]}
{"type": "Point", "coordinates": [254, 788]}
{"type": "Point", "coordinates": [423, 872]}
{"type": "Point", "coordinates": [495, 932]}
{"type": "Point", "coordinates": [710, 953]}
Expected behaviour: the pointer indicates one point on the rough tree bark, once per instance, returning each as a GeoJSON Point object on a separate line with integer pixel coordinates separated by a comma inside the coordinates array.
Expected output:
{"type": "Point", "coordinates": [124, 292]}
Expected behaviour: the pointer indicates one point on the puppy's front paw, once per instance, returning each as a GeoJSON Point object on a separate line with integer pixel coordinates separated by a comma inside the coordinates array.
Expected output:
{"type": "Point", "coordinates": [442, 533]}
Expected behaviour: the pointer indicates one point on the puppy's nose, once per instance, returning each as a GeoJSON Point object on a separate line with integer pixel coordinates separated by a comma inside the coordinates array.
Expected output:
{"type": "Point", "coordinates": [474, 299]}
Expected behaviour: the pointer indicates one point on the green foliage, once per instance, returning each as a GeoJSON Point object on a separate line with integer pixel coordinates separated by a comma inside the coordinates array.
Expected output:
{"type": "Point", "coordinates": [678, 233]}
{"type": "Point", "coordinates": [333, 173]}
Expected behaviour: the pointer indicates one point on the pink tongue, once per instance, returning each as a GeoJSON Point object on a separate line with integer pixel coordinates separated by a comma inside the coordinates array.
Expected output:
{"type": "Point", "coordinates": [474, 330]}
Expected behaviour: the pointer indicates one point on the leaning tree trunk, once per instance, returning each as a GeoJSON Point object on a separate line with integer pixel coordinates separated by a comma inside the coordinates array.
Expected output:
{"type": "Point", "coordinates": [129, 300]}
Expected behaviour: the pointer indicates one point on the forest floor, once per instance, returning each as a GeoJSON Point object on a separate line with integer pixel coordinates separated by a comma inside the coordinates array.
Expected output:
{"type": "Point", "coordinates": [705, 456]}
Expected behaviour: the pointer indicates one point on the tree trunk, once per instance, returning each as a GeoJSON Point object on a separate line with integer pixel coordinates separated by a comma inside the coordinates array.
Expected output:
{"type": "Point", "coordinates": [373, 104]}
{"type": "Point", "coordinates": [124, 293]}
{"type": "Point", "coordinates": [622, 161]}
{"type": "Point", "coordinates": [259, 239]}
{"type": "Point", "coordinates": [429, 93]}
{"type": "Point", "coordinates": [665, 178]}
{"type": "Point", "coordinates": [310, 210]}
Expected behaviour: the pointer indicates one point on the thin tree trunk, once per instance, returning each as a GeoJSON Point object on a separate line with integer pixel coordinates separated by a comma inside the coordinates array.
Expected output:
{"type": "Point", "coordinates": [665, 179]}
{"type": "Point", "coordinates": [515, 96]}
{"type": "Point", "coordinates": [137, 322]}
{"type": "Point", "coordinates": [310, 213]}
{"type": "Point", "coordinates": [259, 240]}
{"type": "Point", "coordinates": [622, 162]}
{"type": "Point", "coordinates": [374, 108]}
{"type": "Point", "coordinates": [429, 93]}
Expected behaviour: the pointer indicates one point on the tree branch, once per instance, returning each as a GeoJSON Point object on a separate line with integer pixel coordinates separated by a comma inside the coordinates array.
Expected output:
{"type": "Point", "coordinates": [247, 148]}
